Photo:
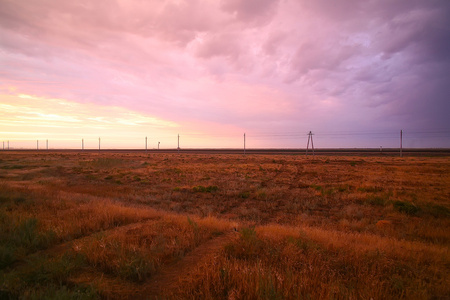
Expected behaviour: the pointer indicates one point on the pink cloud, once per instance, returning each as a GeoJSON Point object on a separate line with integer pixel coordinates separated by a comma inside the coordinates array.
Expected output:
{"type": "Point", "coordinates": [286, 65]}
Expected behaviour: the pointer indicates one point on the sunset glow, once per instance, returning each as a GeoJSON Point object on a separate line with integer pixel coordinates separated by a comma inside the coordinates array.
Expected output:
{"type": "Point", "coordinates": [353, 72]}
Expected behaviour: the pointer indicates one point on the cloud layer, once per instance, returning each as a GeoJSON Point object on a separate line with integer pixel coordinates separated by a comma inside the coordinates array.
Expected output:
{"type": "Point", "coordinates": [227, 67]}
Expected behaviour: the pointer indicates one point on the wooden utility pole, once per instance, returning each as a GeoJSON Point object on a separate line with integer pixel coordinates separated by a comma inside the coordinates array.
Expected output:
{"type": "Point", "coordinates": [47, 144]}
{"type": "Point", "coordinates": [401, 143]}
{"type": "Point", "coordinates": [37, 144]}
{"type": "Point", "coordinates": [145, 144]}
{"type": "Point", "coordinates": [3, 145]}
{"type": "Point", "coordinates": [158, 145]}
{"type": "Point", "coordinates": [8, 145]}
{"type": "Point", "coordinates": [244, 143]}
{"type": "Point", "coordinates": [178, 143]}
{"type": "Point", "coordinates": [82, 144]}
{"type": "Point", "coordinates": [98, 144]}
{"type": "Point", "coordinates": [310, 134]}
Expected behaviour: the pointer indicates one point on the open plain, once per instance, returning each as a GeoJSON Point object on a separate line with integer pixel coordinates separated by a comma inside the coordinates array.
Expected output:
{"type": "Point", "coordinates": [117, 225]}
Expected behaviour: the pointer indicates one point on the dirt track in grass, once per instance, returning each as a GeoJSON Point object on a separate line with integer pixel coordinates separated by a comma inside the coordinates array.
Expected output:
{"type": "Point", "coordinates": [169, 276]}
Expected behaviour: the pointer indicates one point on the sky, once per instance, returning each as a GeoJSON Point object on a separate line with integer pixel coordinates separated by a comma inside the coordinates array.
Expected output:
{"type": "Point", "coordinates": [352, 72]}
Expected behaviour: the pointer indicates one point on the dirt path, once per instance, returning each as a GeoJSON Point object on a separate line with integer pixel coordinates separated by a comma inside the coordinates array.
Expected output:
{"type": "Point", "coordinates": [61, 248]}
{"type": "Point", "coordinates": [169, 276]}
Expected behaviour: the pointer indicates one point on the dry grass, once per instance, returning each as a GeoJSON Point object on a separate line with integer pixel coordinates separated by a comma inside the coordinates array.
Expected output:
{"type": "Point", "coordinates": [103, 224]}
{"type": "Point", "coordinates": [278, 262]}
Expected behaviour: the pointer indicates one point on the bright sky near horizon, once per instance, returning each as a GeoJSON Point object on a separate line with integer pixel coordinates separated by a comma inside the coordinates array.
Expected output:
{"type": "Point", "coordinates": [353, 72]}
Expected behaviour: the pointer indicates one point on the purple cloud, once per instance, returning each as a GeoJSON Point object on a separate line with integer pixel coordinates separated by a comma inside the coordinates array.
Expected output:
{"type": "Point", "coordinates": [253, 65]}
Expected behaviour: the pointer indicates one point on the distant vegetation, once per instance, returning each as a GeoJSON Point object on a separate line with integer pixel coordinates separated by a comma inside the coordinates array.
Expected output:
{"type": "Point", "coordinates": [189, 226]}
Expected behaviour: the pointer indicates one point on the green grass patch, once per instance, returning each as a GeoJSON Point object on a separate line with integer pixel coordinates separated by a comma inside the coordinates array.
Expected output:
{"type": "Point", "coordinates": [136, 267]}
{"type": "Point", "coordinates": [304, 244]}
{"type": "Point", "coordinates": [436, 210]}
{"type": "Point", "coordinates": [324, 191]}
{"type": "Point", "coordinates": [205, 189]}
{"type": "Point", "coordinates": [13, 167]}
{"type": "Point", "coordinates": [377, 200]}
{"type": "Point", "coordinates": [58, 292]}
{"type": "Point", "coordinates": [19, 238]}
{"type": "Point", "coordinates": [406, 207]}
{"type": "Point", "coordinates": [107, 163]}
{"type": "Point", "coordinates": [46, 271]}
{"type": "Point", "coordinates": [244, 195]}
{"type": "Point", "coordinates": [370, 189]}
{"type": "Point", "coordinates": [344, 188]}
{"type": "Point", "coordinates": [46, 278]}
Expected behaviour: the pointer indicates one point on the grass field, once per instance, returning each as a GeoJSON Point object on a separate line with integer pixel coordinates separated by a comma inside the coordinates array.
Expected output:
{"type": "Point", "coordinates": [198, 226]}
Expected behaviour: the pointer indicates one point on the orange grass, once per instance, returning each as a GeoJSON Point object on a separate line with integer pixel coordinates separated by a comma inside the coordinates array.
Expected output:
{"type": "Point", "coordinates": [104, 224]}
{"type": "Point", "coordinates": [279, 262]}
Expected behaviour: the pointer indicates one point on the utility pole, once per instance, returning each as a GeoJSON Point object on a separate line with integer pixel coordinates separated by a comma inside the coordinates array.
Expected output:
{"type": "Point", "coordinates": [82, 144]}
{"type": "Point", "coordinates": [401, 143]}
{"type": "Point", "coordinates": [47, 144]}
{"type": "Point", "coordinates": [8, 145]}
{"type": "Point", "coordinates": [3, 145]}
{"type": "Point", "coordinates": [37, 144]}
{"type": "Point", "coordinates": [98, 144]}
{"type": "Point", "coordinates": [158, 145]}
{"type": "Point", "coordinates": [145, 144]}
{"type": "Point", "coordinates": [244, 143]}
{"type": "Point", "coordinates": [178, 143]}
{"type": "Point", "coordinates": [310, 134]}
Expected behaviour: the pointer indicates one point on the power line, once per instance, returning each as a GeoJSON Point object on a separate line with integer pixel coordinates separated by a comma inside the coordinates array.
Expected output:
{"type": "Point", "coordinates": [294, 137]}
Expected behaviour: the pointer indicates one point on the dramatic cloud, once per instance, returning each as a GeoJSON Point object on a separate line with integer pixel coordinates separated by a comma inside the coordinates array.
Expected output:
{"type": "Point", "coordinates": [212, 70]}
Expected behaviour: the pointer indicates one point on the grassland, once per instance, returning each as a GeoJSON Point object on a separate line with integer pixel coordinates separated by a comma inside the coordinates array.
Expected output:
{"type": "Point", "coordinates": [198, 226]}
